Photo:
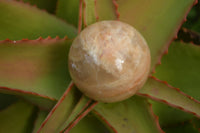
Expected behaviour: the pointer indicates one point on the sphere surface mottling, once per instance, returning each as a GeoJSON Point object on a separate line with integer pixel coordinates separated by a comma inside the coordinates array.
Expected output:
{"type": "Point", "coordinates": [109, 61]}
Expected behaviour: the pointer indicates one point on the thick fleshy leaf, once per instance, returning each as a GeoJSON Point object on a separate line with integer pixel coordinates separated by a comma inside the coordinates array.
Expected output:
{"type": "Point", "coordinates": [78, 109]}
{"type": "Point", "coordinates": [157, 20]}
{"type": "Point", "coordinates": [161, 91]}
{"type": "Point", "coordinates": [89, 106]}
{"type": "Point", "coordinates": [48, 5]}
{"type": "Point", "coordinates": [180, 68]}
{"type": "Point", "coordinates": [186, 127]}
{"type": "Point", "coordinates": [6, 100]}
{"type": "Point", "coordinates": [169, 115]}
{"type": "Point", "coordinates": [192, 17]}
{"type": "Point", "coordinates": [106, 10]}
{"type": "Point", "coordinates": [105, 122]}
{"type": "Point", "coordinates": [68, 10]}
{"type": "Point", "coordinates": [132, 115]}
{"type": "Point", "coordinates": [94, 10]}
{"type": "Point", "coordinates": [196, 27]}
{"type": "Point", "coordinates": [40, 118]}
{"type": "Point", "coordinates": [43, 102]}
{"type": "Point", "coordinates": [19, 20]}
{"type": "Point", "coordinates": [89, 124]}
{"type": "Point", "coordinates": [195, 24]}
{"type": "Point", "coordinates": [61, 111]}
{"type": "Point", "coordinates": [89, 12]}
{"type": "Point", "coordinates": [35, 68]}
{"type": "Point", "coordinates": [16, 118]}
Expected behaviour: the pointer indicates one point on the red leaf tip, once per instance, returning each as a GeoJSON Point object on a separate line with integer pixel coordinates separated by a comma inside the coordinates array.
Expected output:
{"type": "Point", "coordinates": [196, 2]}
{"type": "Point", "coordinates": [116, 9]}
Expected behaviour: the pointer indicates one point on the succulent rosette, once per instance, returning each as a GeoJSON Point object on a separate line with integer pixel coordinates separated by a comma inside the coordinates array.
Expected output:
{"type": "Point", "coordinates": [99, 66]}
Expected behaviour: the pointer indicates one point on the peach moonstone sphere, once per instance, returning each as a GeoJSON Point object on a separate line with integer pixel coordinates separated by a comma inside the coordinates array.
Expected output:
{"type": "Point", "coordinates": [109, 61]}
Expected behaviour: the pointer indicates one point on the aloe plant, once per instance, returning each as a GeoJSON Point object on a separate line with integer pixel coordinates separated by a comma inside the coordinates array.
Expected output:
{"type": "Point", "coordinates": [38, 95]}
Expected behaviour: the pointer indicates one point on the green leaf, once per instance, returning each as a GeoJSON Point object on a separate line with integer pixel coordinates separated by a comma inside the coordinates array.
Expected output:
{"type": "Point", "coordinates": [94, 10]}
{"type": "Point", "coordinates": [40, 118]}
{"type": "Point", "coordinates": [89, 12]}
{"type": "Point", "coordinates": [185, 127]}
{"type": "Point", "coordinates": [162, 92]}
{"type": "Point", "coordinates": [180, 68]}
{"type": "Point", "coordinates": [43, 102]}
{"type": "Point", "coordinates": [61, 111]}
{"type": "Point", "coordinates": [89, 124]}
{"type": "Point", "coordinates": [78, 109]}
{"type": "Point", "coordinates": [196, 26]}
{"type": "Point", "coordinates": [48, 5]}
{"type": "Point", "coordinates": [68, 10]}
{"type": "Point", "coordinates": [157, 20]}
{"type": "Point", "coordinates": [169, 115]}
{"type": "Point", "coordinates": [87, 108]}
{"type": "Point", "coordinates": [6, 100]}
{"type": "Point", "coordinates": [106, 10]}
{"type": "Point", "coordinates": [16, 118]}
{"type": "Point", "coordinates": [38, 68]}
{"type": "Point", "coordinates": [193, 21]}
{"type": "Point", "coordinates": [192, 16]}
{"type": "Point", "coordinates": [132, 115]}
{"type": "Point", "coordinates": [19, 20]}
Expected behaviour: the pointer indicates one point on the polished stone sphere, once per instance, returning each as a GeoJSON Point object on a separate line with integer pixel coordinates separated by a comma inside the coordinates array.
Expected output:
{"type": "Point", "coordinates": [109, 61]}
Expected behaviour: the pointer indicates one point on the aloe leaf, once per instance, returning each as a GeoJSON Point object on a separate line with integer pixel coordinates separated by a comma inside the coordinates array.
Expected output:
{"type": "Point", "coordinates": [196, 27]}
{"type": "Point", "coordinates": [195, 24]}
{"type": "Point", "coordinates": [19, 20]}
{"type": "Point", "coordinates": [68, 10]}
{"type": "Point", "coordinates": [185, 127]}
{"type": "Point", "coordinates": [16, 118]}
{"type": "Point", "coordinates": [180, 68]}
{"type": "Point", "coordinates": [78, 109]}
{"type": "Point", "coordinates": [6, 100]}
{"type": "Point", "coordinates": [161, 91]}
{"type": "Point", "coordinates": [132, 115]}
{"type": "Point", "coordinates": [105, 122]}
{"type": "Point", "coordinates": [37, 68]}
{"type": "Point", "coordinates": [43, 102]}
{"type": "Point", "coordinates": [94, 10]}
{"type": "Point", "coordinates": [106, 10]}
{"type": "Point", "coordinates": [169, 115]}
{"type": "Point", "coordinates": [48, 5]}
{"type": "Point", "coordinates": [61, 111]}
{"type": "Point", "coordinates": [89, 124]}
{"type": "Point", "coordinates": [80, 117]}
{"type": "Point", "coordinates": [158, 21]}
{"type": "Point", "coordinates": [40, 118]}
{"type": "Point", "coordinates": [89, 12]}
{"type": "Point", "coordinates": [192, 16]}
